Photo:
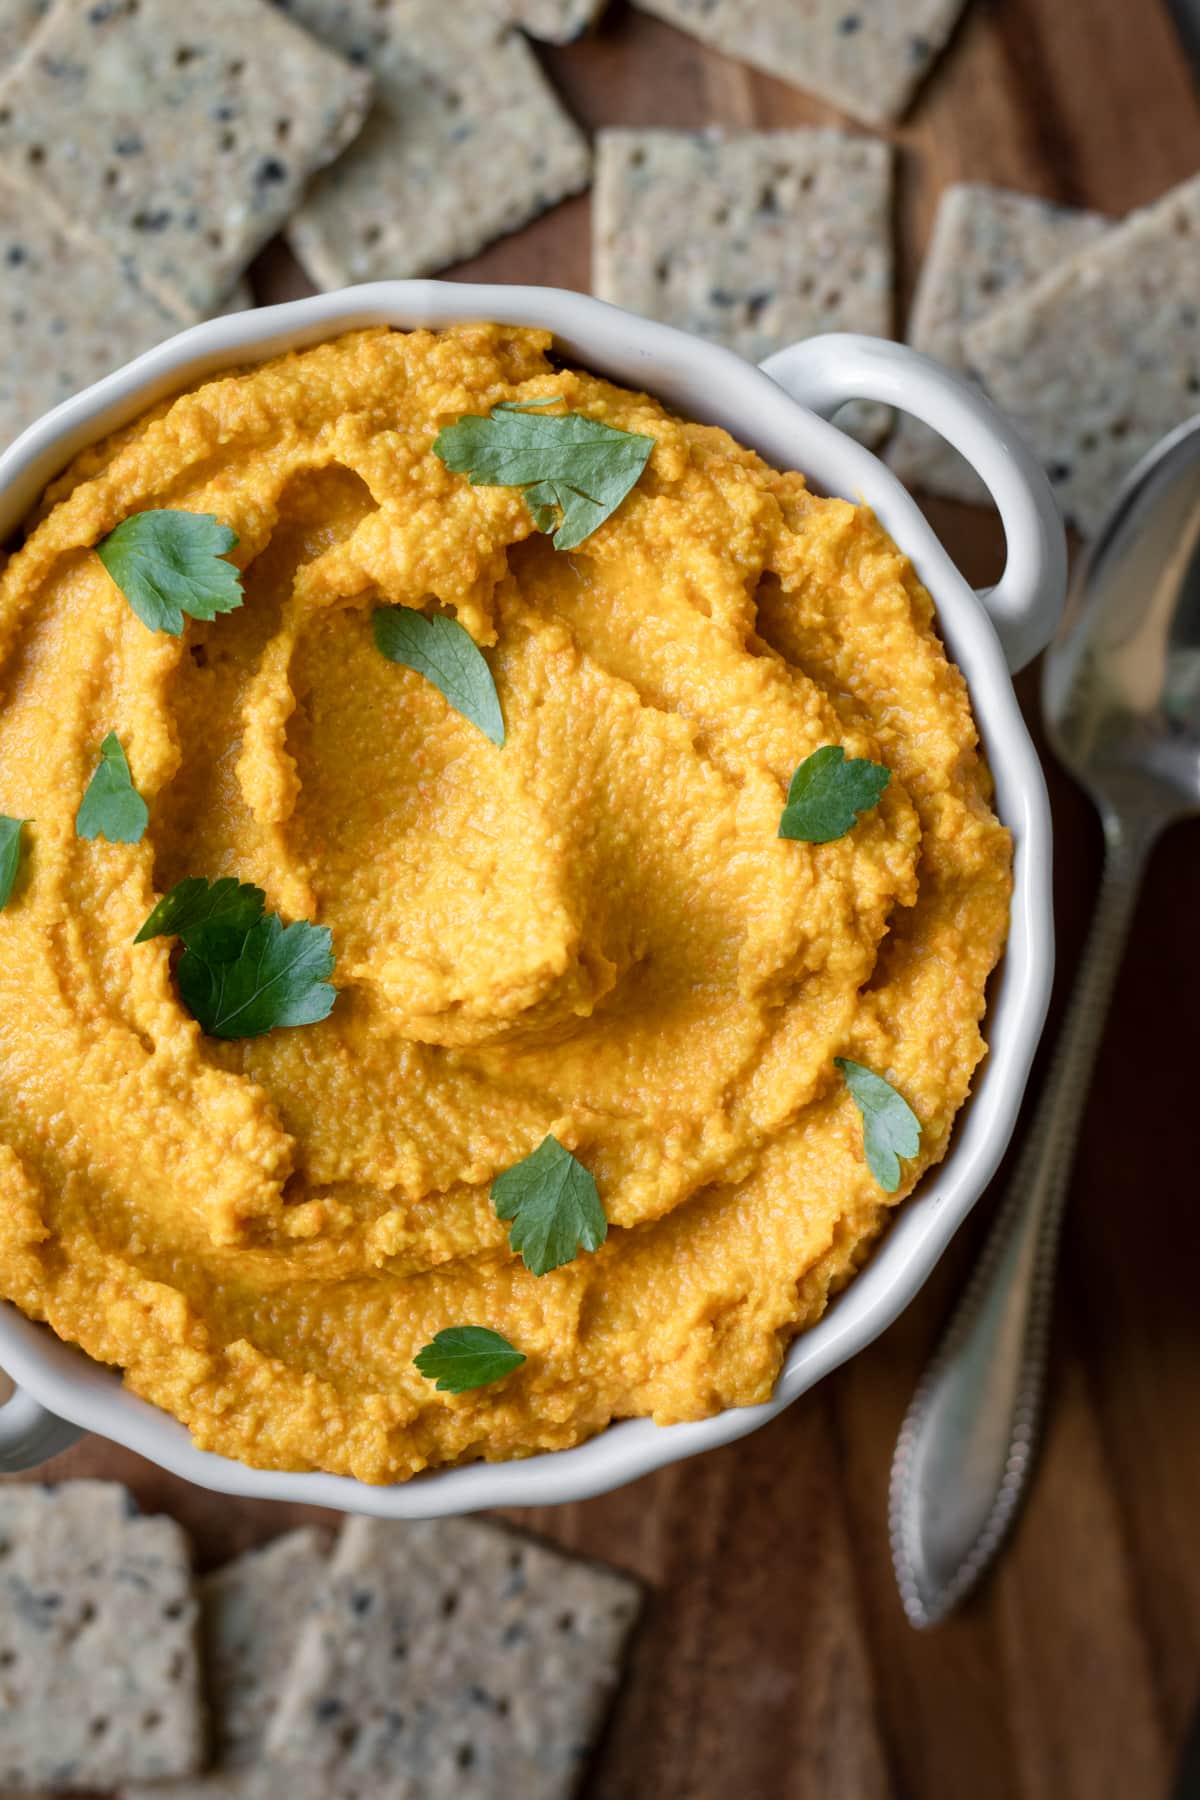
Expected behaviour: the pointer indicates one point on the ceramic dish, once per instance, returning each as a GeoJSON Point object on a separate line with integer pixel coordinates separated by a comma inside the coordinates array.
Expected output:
{"type": "Point", "coordinates": [781, 410]}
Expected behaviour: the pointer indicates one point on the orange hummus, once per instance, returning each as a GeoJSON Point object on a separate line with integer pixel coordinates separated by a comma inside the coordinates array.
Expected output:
{"type": "Point", "coordinates": [593, 931]}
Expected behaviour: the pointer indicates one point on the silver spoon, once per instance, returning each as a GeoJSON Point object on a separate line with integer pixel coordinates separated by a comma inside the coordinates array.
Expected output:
{"type": "Point", "coordinates": [1121, 694]}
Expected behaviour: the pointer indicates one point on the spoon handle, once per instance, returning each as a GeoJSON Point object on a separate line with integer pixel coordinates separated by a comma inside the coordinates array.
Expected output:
{"type": "Point", "coordinates": [966, 1448]}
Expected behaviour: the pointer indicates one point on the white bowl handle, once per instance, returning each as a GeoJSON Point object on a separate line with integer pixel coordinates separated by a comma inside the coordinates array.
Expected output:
{"type": "Point", "coordinates": [823, 373]}
{"type": "Point", "coordinates": [29, 1434]}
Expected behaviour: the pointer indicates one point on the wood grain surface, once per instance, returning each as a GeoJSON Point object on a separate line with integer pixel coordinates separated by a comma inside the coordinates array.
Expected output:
{"type": "Point", "coordinates": [775, 1662]}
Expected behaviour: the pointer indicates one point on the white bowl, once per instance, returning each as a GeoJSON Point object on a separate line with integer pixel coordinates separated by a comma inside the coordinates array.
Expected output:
{"type": "Point", "coordinates": [782, 411]}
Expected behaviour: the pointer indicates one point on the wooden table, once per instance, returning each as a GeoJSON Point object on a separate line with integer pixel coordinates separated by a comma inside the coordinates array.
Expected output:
{"type": "Point", "coordinates": [775, 1663]}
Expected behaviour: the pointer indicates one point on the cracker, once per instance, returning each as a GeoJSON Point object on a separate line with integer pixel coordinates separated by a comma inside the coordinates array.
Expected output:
{"type": "Point", "coordinates": [99, 1672]}
{"type": "Point", "coordinates": [554, 21]}
{"type": "Point", "coordinates": [17, 20]}
{"type": "Point", "coordinates": [180, 136]}
{"type": "Point", "coordinates": [754, 238]}
{"type": "Point", "coordinates": [68, 314]}
{"type": "Point", "coordinates": [453, 1659]}
{"type": "Point", "coordinates": [987, 245]}
{"type": "Point", "coordinates": [1102, 356]}
{"type": "Point", "coordinates": [867, 57]}
{"type": "Point", "coordinates": [466, 141]}
{"type": "Point", "coordinates": [253, 1609]}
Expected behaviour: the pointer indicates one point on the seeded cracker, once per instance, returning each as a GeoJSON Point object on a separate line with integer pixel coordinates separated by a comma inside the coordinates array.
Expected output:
{"type": "Point", "coordinates": [252, 1611]}
{"type": "Point", "coordinates": [67, 314]}
{"type": "Point", "coordinates": [99, 1674]}
{"type": "Point", "coordinates": [1102, 356]}
{"type": "Point", "coordinates": [466, 141]}
{"type": "Point", "coordinates": [752, 238]}
{"type": "Point", "coordinates": [867, 57]}
{"type": "Point", "coordinates": [554, 21]}
{"type": "Point", "coordinates": [452, 1660]}
{"type": "Point", "coordinates": [179, 135]}
{"type": "Point", "coordinates": [987, 245]}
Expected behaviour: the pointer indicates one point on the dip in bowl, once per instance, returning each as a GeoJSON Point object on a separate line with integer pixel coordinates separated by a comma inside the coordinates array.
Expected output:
{"type": "Point", "coordinates": [627, 1058]}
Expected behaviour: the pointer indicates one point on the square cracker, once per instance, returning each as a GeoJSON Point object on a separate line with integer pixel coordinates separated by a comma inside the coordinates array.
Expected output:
{"type": "Point", "coordinates": [753, 238]}
{"type": "Point", "coordinates": [68, 313]}
{"type": "Point", "coordinates": [867, 57]}
{"type": "Point", "coordinates": [253, 1610]}
{"type": "Point", "coordinates": [1101, 357]}
{"type": "Point", "coordinates": [554, 21]}
{"type": "Point", "coordinates": [453, 1659]}
{"type": "Point", "coordinates": [99, 1672]}
{"type": "Point", "coordinates": [466, 141]}
{"type": "Point", "coordinates": [179, 135]}
{"type": "Point", "coordinates": [987, 245]}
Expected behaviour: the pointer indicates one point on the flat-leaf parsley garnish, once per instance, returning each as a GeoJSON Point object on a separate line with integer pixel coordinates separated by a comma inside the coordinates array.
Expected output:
{"type": "Point", "coordinates": [447, 655]}
{"type": "Point", "coordinates": [170, 563]}
{"type": "Point", "coordinates": [575, 471]}
{"type": "Point", "coordinates": [243, 972]}
{"type": "Point", "coordinates": [210, 917]}
{"type": "Point", "coordinates": [827, 794]}
{"type": "Point", "coordinates": [10, 855]}
{"type": "Point", "coordinates": [464, 1357]}
{"type": "Point", "coordinates": [554, 1205]}
{"type": "Point", "coordinates": [112, 808]}
{"type": "Point", "coordinates": [891, 1129]}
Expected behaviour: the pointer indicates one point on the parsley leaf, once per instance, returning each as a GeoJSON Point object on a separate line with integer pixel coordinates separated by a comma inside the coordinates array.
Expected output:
{"type": "Point", "coordinates": [447, 655]}
{"type": "Point", "coordinates": [10, 855]}
{"type": "Point", "coordinates": [243, 972]}
{"type": "Point", "coordinates": [213, 918]}
{"type": "Point", "coordinates": [554, 1205]}
{"type": "Point", "coordinates": [827, 794]}
{"type": "Point", "coordinates": [276, 978]}
{"type": "Point", "coordinates": [574, 470]}
{"type": "Point", "coordinates": [891, 1129]}
{"type": "Point", "coordinates": [467, 1356]}
{"type": "Point", "coordinates": [112, 808]}
{"type": "Point", "coordinates": [170, 563]}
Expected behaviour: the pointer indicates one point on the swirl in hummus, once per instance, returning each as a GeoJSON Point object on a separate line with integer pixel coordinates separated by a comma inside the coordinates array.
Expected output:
{"type": "Point", "coordinates": [594, 931]}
